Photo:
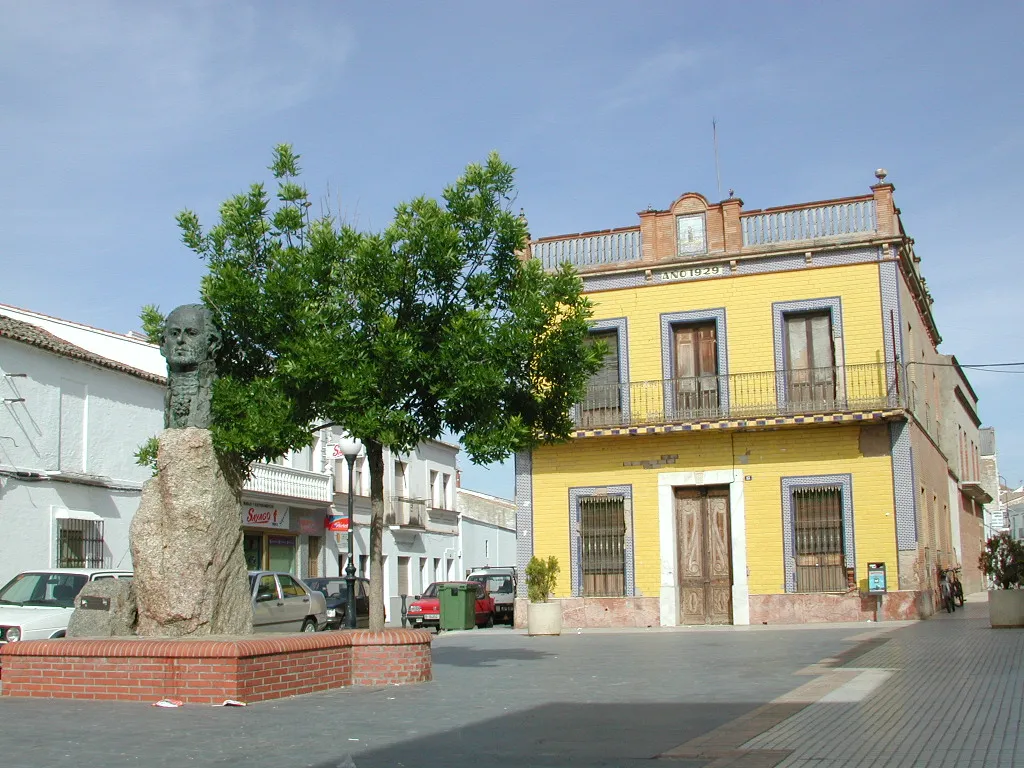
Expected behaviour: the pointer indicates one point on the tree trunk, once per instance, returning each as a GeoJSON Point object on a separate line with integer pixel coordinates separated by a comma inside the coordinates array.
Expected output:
{"type": "Point", "coordinates": [375, 457]}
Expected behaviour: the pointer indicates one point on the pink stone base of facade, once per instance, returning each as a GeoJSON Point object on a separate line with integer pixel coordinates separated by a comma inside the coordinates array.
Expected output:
{"type": "Point", "coordinates": [852, 606]}
{"type": "Point", "coordinates": [209, 670]}
{"type": "Point", "coordinates": [580, 612]}
{"type": "Point", "coordinates": [905, 605]}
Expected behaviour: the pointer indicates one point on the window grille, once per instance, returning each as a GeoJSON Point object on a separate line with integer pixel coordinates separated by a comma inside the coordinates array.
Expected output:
{"type": "Point", "coordinates": [80, 543]}
{"type": "Point", "coordinates": [818, 529]}
{"type": "Point", "coordinates": [603, 546]}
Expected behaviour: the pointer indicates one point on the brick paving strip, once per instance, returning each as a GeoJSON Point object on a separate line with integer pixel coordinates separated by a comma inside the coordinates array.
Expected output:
{"type": "Point", "coordinates": [945, 692]}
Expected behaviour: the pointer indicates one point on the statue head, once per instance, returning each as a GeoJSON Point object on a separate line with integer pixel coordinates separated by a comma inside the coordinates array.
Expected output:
{"type": "Point", "coordinates": [190, 338]}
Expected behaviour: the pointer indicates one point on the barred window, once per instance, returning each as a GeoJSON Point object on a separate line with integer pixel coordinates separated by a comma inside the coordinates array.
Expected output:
{"type": "Point", "coordinates": [603, 545]}
{"type": "Point", "coordinates": [818, 533]}
{"type": "Point", "coordinates": [79, 543]}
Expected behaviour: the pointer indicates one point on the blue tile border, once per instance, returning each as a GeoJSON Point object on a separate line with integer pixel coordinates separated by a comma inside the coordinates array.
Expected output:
{"type": "Point", "coordinates": [575, 540]}
{"type": "Point", "coordinates": [832, 304]}
{"type": "Point", "coordinates": [621, 327]}
{"type": "Point", "coordinates": [524, 516]}
{"type": "Point", "coordinates": [903, 485]}
{"type": "Point", "coordinates": [670, 319]}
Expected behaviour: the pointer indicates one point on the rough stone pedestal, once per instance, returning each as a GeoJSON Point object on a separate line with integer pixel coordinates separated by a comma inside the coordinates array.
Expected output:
{"type": "Point", "coordinates": [104, 608]}
{"type": "Point", "coordinates": [186, 542]}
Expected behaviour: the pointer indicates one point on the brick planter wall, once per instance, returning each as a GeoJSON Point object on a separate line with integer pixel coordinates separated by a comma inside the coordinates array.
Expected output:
{"type": "Point", "coordinates": [209, 670]}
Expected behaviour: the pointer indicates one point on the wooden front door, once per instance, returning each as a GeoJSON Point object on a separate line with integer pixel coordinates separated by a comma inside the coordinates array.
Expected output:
{"type": "Point", "coordinates": [705, 555]}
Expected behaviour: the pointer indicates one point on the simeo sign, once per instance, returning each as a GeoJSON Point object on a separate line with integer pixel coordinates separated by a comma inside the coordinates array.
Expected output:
{"type": "Point", "coordinates": [258, 516]}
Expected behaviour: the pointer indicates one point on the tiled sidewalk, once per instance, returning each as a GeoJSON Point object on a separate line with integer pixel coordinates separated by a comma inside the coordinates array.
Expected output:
{"type": "Point", "coordinates": [943, 692]}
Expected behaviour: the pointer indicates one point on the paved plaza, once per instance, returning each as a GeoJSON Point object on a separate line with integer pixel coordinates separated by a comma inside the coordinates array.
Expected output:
{"type": "Point", "coordinates": [944, 692]}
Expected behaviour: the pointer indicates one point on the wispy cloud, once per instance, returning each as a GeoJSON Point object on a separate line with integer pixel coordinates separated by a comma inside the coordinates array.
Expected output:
{"type": "Point", "coordinates": [650, 77]}
{"type": "Point", "coordinates": [153, 72]}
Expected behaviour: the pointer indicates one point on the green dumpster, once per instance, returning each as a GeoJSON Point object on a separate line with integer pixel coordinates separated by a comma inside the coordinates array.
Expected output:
{"type": "Point", "coordinates": [458, 606]}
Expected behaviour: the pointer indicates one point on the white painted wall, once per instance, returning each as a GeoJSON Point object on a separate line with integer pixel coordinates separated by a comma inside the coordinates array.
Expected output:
{"type": "Point", "coordinates": [439, 542]}
{"type": "Point", "coordinates": [485, 543]}
{"type": "Point", "coordinates": [74, 417]}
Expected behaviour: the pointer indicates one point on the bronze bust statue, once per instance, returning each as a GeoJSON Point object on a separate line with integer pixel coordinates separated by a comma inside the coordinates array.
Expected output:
{"type": "Point", "coordinates": [190, 343]}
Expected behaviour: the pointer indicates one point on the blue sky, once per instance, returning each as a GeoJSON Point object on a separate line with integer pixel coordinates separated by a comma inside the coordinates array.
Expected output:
{"type": "Point", "coordinates": [117, 115]}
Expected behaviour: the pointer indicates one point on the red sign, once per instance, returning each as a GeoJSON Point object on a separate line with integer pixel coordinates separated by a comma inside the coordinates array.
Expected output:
{"type": "Point", "coordinates": [336, 523]}
{"type": "Point", "coordinates": [264, 517]}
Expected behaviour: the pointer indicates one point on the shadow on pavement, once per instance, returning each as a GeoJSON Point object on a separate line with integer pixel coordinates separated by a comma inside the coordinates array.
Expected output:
{"type": "Point", "coordinates": [460, 656]}
{"type": "Point", "coordinates": [559, 734]}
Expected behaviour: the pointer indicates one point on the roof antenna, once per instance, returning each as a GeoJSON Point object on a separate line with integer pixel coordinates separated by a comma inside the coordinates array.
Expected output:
{"type": "Point", "coordinates": [718, 173]}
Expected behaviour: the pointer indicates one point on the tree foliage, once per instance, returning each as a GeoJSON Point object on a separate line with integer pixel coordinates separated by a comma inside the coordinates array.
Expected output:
{"type": "Point", "coordinates": [434, 324]}
{"type": "Point", "coordinates": [152, 323]}
{"type": "Point", "coordinates": [1002, 560]}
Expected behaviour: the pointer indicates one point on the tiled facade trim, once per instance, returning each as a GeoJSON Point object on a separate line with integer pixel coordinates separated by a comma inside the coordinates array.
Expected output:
{"type": "Point", "coordinates": [784, 262]}
{"type": "Point", "coordinates": [668, 352]}
{"type": "Point", "coordinates": [888, 285]}
{"type": "Point", "coordinates": [903, 485]}
{"type": "Point", "coordinates": [832, 304]}
{"type": "Point", "coordinates": [729, 424]}
{"type": "Point", "coordinates": [524, 516]}
{"type": "Point", "coordinates": [576, 541]}
{"type": "Point", "coordinates": [198, 671]}
{"type": "Point", "coordinates": [845, 482]}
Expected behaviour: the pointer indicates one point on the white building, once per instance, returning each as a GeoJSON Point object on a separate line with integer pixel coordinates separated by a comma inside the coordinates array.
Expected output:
{"type": "Point", "coordinates": [488, 529]}
{"type": "Point", "coordinates": [70, 423]}
{"type": "Point", "coordinates": [75, 412]}
{"type": "Point", "coordinates": [421, 533]}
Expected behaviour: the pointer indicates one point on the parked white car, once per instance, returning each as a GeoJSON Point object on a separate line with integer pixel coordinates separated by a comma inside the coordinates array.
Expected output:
{"type": "Point", "coordinates": [37, 605]}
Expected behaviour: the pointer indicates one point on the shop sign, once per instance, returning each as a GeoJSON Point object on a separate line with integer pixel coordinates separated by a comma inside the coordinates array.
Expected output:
{"type": "Point", "coordinates": [308, 526]}
{"type": "Point", "coordinates": [259, 516]}
{"type": "Point", "coordinates": [337, 523]}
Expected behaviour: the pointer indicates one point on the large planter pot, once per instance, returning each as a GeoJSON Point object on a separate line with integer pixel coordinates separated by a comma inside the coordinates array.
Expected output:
{"type": "Point", "coordinates": [544, 618]}
{"type": "Point", "coordinates": [1006, 607]}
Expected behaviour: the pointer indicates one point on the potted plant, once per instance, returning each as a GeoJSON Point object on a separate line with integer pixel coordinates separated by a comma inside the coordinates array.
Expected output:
{"type": "Point", "coordinates": [1002, 560]}
{"type": "Point", "coordinates": [542, 616]}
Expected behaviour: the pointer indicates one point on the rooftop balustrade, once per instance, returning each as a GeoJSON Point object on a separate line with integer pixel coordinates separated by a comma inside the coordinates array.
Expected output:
{"type": "Point", "coordinates": [809, 222]}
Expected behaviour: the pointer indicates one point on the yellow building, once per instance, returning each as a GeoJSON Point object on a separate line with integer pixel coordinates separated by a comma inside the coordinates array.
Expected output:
{"type": "Point", "coordinates": [755, 436]}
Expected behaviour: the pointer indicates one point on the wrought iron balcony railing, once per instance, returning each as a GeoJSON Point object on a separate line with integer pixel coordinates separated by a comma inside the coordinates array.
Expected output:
{"type": "Point", "coordinates": [407, 512]}
{"type": "Point", "coordinates": [744, 395]}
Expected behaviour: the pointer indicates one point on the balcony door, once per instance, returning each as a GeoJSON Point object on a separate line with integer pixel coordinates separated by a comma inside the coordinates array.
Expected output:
{"type": "Point", "coordinates": [602, 403]}
{"type": "Point", "coordinates": [696, 370]}
{"type": "Point", "coordinates": [810, 362]}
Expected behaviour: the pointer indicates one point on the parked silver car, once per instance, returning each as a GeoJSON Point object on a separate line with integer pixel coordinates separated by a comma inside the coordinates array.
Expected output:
{"type": "Point", "coordinates": [282, 603]}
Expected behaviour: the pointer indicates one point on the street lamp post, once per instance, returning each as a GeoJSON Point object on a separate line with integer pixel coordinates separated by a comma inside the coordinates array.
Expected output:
{"type": "Point", "coordinates": [350, 447]}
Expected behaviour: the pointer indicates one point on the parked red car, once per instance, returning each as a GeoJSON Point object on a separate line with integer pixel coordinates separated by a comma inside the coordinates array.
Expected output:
{"type": "Point", "coordinates": [425, 610]}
